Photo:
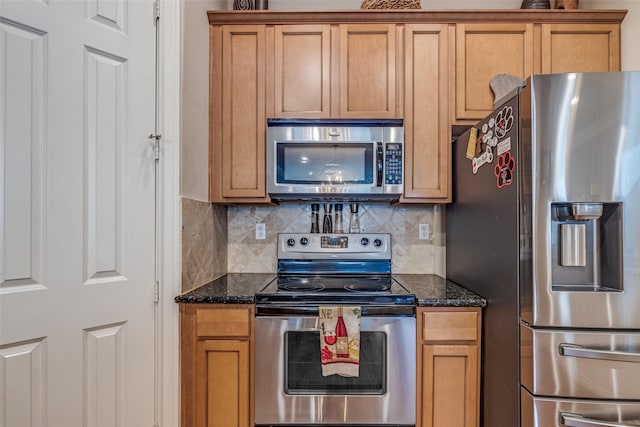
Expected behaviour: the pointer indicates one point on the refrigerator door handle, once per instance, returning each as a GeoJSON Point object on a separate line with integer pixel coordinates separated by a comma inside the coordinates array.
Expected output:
{"type": "Point", "coordinates": [575, 420]}
{"type": "Point", "coordinates": [573, 350]}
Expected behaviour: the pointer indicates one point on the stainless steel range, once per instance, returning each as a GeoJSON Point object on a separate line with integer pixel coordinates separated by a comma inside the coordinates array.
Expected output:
{"type": "Point", "coordinates": [318, 270]}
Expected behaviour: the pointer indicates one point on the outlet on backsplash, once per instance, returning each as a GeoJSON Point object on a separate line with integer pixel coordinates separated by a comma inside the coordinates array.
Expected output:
{"type": "Point", "coordinates": [261, 231]}
{"type": "Point", "coordinates": [424, 232]}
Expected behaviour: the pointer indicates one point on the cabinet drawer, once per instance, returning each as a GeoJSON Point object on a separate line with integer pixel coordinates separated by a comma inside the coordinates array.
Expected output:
{"type": "Point", "coordinates": [581, 364]}
{"type": "Point", "coordinates": [450, 326]}
{"type": "Point", "coordinates": [228, 322]}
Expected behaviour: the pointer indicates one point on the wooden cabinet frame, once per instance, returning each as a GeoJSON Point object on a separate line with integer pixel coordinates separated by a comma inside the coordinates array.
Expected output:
{"type": "Point", "coordinates": [216, 347]}
{"type": "Point", "coordinates": [448, 366]}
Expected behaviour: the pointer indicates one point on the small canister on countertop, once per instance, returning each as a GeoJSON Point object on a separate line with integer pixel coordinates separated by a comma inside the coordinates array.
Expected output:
{"type": "Point", "coordinates": [262, 4]}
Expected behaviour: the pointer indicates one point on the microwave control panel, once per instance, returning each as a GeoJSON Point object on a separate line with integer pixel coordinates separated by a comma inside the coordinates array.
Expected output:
{"type": "Point", "coordinates": [393, 163]}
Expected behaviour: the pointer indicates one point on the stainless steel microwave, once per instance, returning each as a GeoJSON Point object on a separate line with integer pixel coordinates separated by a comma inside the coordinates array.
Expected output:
{"type": "Point", "coordinates": [338, 159]}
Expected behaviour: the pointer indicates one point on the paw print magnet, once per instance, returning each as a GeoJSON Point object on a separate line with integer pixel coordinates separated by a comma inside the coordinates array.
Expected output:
{"type": "Point", "coordinates": [504, 169]}
{"type": "Point", "coordinates": [504, 121]}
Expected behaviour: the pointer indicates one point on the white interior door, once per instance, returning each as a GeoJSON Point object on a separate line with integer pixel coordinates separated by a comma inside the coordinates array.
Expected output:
{"type": "Point", "coordinates": [77, 211]}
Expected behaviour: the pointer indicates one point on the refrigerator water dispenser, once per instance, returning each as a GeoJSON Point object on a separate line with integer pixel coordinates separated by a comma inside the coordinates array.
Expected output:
{"type": "Point", "coordinates": [586, 247]}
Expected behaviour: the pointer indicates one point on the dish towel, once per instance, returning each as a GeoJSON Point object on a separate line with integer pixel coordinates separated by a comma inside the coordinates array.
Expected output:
{"type": "Point", "coordinates": [340, 341]}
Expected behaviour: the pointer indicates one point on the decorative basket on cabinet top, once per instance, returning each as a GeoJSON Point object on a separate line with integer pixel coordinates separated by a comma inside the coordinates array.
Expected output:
{"type": "Point", "coordinates": [391, 4]}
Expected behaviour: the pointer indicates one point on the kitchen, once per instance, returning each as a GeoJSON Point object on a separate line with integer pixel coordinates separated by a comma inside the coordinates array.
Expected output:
{"type": "Point", "coordinates": [213, 230]}
{"type": "Point", "coordinates": [295, 217]}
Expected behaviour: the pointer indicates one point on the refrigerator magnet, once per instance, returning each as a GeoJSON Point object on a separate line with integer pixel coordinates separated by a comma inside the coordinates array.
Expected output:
{"type": "Point", "coordinates": [486, 157]}
{"type": "Point", "coordinates": [504, 169]}
{"type": "Point", "coordinates": [471, 145]}
{"type": "Point", "coordinates": [504, 146]}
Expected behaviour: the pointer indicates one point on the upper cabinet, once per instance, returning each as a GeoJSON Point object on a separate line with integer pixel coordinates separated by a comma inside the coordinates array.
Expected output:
{"type": "Point", "coordinates": [540, 46]}
{"type": "Point", "coordinates": [368, 71]}
{"type": "Point", "coordinates": [237, 113]}
{"type": "Point", "coordinates": [426, 121]}
{"type": "Point", "coordinates": [431, 68]}
{"type": "Point", "coordinates": [580, 47]}
{"type": "Point", "coordinates": [346, 70]}
{"type": "Point", "coordinates": [302, 71]}
{"type": "Point", "coordinates": [482, 51]}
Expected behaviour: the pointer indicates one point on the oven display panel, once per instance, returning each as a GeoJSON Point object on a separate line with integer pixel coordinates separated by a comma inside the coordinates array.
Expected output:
{"type": "Point", "coordinates": [334, 242]}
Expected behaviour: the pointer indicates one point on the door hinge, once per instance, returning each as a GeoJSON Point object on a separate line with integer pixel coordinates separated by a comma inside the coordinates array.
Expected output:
{"type": "Point", "coordinates": [156, 292]}
{"type": "Point", "coordinates": [157, 10]}
{"type": "Point", "coordinates": [156, 148]}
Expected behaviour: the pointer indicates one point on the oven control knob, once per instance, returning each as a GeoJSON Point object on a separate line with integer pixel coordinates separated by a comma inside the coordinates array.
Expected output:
{"type": "Point", "coordinates": [364, 241]}
{"type": "Point", "coordinates": [304, 241]}
{"type": "Point", "coordinates": [291, 242]}
{"type": "Point", "coordinates": [377, 243]}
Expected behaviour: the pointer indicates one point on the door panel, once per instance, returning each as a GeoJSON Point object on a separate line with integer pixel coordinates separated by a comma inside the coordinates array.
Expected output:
{"type": "Point", "coordinates": [368, 70]}
{"type": "Point", "coordinates": [580, 48]}
{"type": "Point", "coordinates": [483, 51]}
{"type": "Point", "coordinates": [78, 213]}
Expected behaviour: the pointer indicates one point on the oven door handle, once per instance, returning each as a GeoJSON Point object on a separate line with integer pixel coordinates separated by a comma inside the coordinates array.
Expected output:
{"type": "Point", "coordinates": [575, 420]}
{"type": "Point", "coordinates": [312, 311]}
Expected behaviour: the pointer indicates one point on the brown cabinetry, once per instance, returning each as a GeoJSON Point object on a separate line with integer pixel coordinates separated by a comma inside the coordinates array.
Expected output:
{"type": "Point", "coordinates": [302, 71]}
{"type": "Point", "coordinates": [430, 68]}
{"type": "Point", "coordinates": [484, 50]}
{"type": "Point", "coordinates": [216, 358]}
{"type": "Point", "coordinates": [368, 71]}
{"type": "Point", "coordinates": [580, 47]}
{"type": "Point", "coordinates": [237, 114]}
{"type": "Point", "coordinates": [339, 71]}
{"type": "Point", "coordinates": [448, 367]}
{"type": "Point", "coordinates": [426, 120]}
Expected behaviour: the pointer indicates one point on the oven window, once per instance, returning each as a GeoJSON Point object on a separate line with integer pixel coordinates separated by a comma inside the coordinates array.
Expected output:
{"type": "Point", "coordinates": [303, 371]}
{"type": "Point", "coordinates": [325, 163]}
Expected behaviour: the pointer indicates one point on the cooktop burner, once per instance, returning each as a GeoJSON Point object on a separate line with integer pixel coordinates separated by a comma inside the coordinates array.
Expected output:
{"type": "Point", "coordinates": [335, 284]}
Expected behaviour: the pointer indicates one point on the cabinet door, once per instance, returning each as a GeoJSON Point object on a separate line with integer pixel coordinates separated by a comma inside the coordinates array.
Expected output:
{"type": "Point", "coordinates": [426, 120]}
{"type": "Point", "coordinates": [580, 48]}
{"type": "Point", "coordinates": [482, 51]}
{"type": "Point", "coordinates": [368, 71]}
{"type": "Point", "coordinates": [302, 71]}
{"type": "Point", "coordinates": [222, 381]}
{"type": "Point", "coordinates": [450, 376]}
{"type": "Point", "coordinates": [238, 122]}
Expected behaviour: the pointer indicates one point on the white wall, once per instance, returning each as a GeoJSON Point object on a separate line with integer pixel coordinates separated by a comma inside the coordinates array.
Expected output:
{"type": "Point", "coordinates": [195, 62]}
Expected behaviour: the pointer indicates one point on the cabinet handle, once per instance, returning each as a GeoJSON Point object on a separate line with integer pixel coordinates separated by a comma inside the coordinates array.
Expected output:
{"type": "Point", "coordinates": [575, 420]}
{"type": "Point", "coordinates": [573, 350]}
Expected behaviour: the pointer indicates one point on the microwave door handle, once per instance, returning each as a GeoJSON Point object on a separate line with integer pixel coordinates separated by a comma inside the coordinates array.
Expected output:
{"type": "Point", "coordinates": [575, 420]}
{"type": "Point", "coordinates": [573, 350]}
{"type": "Point", "coordinates": [379, 164]}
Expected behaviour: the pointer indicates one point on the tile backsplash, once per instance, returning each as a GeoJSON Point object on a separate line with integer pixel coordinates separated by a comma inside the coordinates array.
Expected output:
{"type": "Point", "coordinates": [410, 255]}
{"type": "Point", "coordinates": [204, 243]}
{"type": "Point", "coordinates": [218, 239]}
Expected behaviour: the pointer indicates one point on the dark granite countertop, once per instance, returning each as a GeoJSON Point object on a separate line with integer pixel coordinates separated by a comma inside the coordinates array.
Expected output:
{"type": "Point", "coordinates": [240, 288]}
{"type": "Point", "coordinates": [232, 288]}
{"type": "Point", "coordinates": [435, 291]}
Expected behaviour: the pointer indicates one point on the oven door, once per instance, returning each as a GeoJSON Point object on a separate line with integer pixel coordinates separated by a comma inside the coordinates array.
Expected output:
{"type": "Point", "coordinates": [290, 388]}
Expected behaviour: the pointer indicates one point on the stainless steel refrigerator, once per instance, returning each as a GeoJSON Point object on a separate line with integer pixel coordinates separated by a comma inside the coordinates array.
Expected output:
{"type": "Point", "coordinates": [545, 224]}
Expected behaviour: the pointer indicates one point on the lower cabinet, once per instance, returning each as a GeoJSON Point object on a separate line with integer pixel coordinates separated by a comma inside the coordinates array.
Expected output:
{"type": "Point", "coordinates": [448, 386]}
{"type": "Point", "coordinates": [217, 360]}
